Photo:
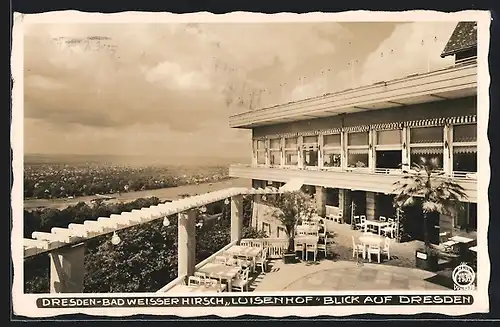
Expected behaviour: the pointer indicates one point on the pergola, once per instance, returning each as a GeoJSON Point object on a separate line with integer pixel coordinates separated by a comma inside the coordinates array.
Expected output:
{"type": "Point", "coordinates": [65, 246]}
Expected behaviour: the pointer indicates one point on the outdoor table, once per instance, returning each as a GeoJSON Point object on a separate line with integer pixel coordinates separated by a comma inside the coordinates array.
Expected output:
{"type": "Point", "coordinates": [192, 289]}
{"type": "Point", "coordinates": [219, 270]}
{"type": "Point", "coordinates": [462, 243]}
{"type": "Point", "coordinates": [244, 251]}
{"type": "Point", "coordinates": [307, 239]}
{"type": "Point", "coordinates": [370, 239]}
{"type": "Point", "coordinates": [307, 228]}
{"type": "Point", "coordinates": [461, 239]}
{"type": "Point", "coordinates": [377, 223]}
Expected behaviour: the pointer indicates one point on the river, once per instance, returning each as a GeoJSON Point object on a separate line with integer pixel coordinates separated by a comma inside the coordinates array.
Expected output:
{"type": "Point", "coordinates": [170, 193]}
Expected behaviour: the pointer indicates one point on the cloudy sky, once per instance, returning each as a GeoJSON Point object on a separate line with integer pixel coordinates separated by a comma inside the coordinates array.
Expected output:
{"type": "Point", "coordinates": [158, 90]}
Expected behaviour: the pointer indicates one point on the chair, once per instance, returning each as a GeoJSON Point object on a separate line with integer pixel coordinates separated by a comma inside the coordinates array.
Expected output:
{"type": "Point", "coordinates": [382, 218]}
{"type": "Point", "coordinates": [373, 249]}
{"type": "Point", "coordinates": [203, 277]}
{"type": "Point", "coordinates": [301, 232]}
{"type": "Point", "coordinates": [389, 229]}
{"type": "Point", "coordinates": [443, 237]}
{"type": "Point", "coordinates": [194, 281]}
{"type": "Point", "coordinates": [262, 261]}
{"type": "Point", "coordinates": [312, 248]}
{"type": "Point", "coordinates": [357, 248]}
{"type": "Point", "coordinates": [387, 248]}
{"type": "Point", "coordinates": [362, 222]}
{"type": "Point", "coordinates": [217, 284]}
{"type": "Point", "coordinates": [322, 244]}
{"type": "Point", "coordinates": [299, 247]}
{"type": "Point", "coordinates": [241, 281]}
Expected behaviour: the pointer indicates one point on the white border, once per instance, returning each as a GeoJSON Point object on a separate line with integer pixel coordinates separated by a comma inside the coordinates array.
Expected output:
{"type": "Point", "coordinates": [24, 304]}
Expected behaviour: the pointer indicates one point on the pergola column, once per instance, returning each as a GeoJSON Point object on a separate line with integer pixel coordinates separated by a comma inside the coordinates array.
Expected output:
{"type": "Point", "coordinates": [321, 201]}
{"type": "Point", "coordinates": [186, 244]}
{"type": "Point", "coordinates": [67, 269]}
{"type": "Point", "coordinates": [236, 217]}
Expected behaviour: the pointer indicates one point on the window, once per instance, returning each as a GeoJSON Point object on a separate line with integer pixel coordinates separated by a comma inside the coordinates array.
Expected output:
{"type": "Point", "coordinates": [357, 149]}
{"type": "Point", "coordinates": [332, 150]}
{"type": "Point", "coordinates": [388, 153]}
{"type": "Point", "coordinates": [384, 206]}
{"type": "Point", "coordinates": [260, 149]}
{"type": "Point", "coordinates": [266, 227]}
{"type": "Point", "coordinates": [275, 152]}
{"type": "Point", "coordinates": [332, 197]}
{"type": "Point", "coordinates": [291, 153]}
{"type": "Point", "coordinates": [466, 219]}
{"type": "Point", "coordinates": [310, 150]}
{"type": "Point", "coordinates": [427, 143]}
{"type": "Point", "coordinates": [464, 148]}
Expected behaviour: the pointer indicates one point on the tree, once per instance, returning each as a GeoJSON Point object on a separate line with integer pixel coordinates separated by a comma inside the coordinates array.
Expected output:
{"type": "Point", "coordinates": [439, 194]}
{"type": "Point", "coordinates": [290, 209]}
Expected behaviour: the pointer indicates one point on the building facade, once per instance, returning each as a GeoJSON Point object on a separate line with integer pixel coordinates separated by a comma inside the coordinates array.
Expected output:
{"type": "Point", "coordinates": [348, 148]}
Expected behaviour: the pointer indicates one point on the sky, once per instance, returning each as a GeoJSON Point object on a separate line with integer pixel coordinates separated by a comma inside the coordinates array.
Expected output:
{"type": "Point", "coordinates": [167, 90]}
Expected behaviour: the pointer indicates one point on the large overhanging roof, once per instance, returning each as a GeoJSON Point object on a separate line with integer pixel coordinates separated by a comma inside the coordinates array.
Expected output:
{"type": "Point", "coordinates": [451, 83]}
{"type": "Point", "coordinates": [76, 233]}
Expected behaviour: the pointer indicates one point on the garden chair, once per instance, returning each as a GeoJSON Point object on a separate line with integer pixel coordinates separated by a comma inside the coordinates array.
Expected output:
{"type": "Point", "coordinates": [241, 281]}
{"type": "Point", "coordinates": [217, 284]}
{"type": "Point", "coordinates": [299, 247]}
{"type": "Point", "coordinates": [357, 248]}
{"type": "Point", "coordinates": [322, 244]}
{"type": "Point", "coordinates": [362, 222]}
{"type": "Point", "coordinates": [201, 275]}
{"type": "Point", "coordinates": [389, 230]}
{"type": "Point", "coordinates": [245, 243]}
{"type": "Point", "coordinates": [261, 261]}
{"type": "Point", "coordinates": [311, 248]}
{"type": "Point", "coordinates": [194, 281]}
{"type": "Point", "coordinates": [374, 249]}
{"type": "Point", "coordinates": [382, 218]}
{"type": "Point", "coordinates": [387, 248]}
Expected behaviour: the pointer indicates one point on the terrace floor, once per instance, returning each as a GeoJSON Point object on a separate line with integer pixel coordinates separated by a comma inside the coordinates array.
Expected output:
{"type": "Point", "coordinates": [341, 275]}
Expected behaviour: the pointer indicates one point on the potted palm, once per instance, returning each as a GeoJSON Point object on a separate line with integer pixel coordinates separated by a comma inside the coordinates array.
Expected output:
{"type": "Point", "coordinates": [290, 209]}
{"type": "Point", "coordinates": [438, 194]}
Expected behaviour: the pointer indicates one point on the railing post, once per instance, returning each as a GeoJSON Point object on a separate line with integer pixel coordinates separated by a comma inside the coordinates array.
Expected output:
{"type": "Point", "coordinates": [236, 217]}
{"type": "Point", "coordinates": [186, 243]}
{"type": "Point", "coordinates": [67, 269]}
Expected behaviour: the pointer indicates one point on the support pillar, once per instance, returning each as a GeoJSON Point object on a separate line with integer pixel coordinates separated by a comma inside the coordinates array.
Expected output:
{"type": "Point", "coordinates": [67, 269]}
{"type": "Point", "coordinates": [236, 217]}
{"type": "Point", "coordinates": [342, 203]}
{"type": "Point", "coordinates": [346, 206]}
{"type": "Point", "coordinates": [186, 243]}
{"type": "Point", "coordinates": [370, 205]}
{"type": "Point", "coordinates": [256, 210]}
{"type": "Point", "coordinates": [321, 201]}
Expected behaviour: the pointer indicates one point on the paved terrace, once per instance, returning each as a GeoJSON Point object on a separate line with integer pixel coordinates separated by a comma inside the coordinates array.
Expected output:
{"type": "Point", "coordinates": [332, 275]}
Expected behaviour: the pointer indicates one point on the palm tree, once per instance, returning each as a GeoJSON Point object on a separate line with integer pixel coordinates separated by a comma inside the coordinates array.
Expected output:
{"type": "Point", "coordinates": [290, 209]}
{"type": "Point", "coordinates": [439, 194]}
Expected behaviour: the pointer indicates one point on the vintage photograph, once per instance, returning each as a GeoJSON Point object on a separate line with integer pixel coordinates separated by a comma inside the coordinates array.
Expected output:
{"type": "Point", "coordinates": [220, 162]}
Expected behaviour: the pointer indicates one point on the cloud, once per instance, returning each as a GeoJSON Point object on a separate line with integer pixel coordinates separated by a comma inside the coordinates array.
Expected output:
{"type": "Point", "coordinates": [115, 75]}
{"type": "Point", "coordinates": [411, 48]}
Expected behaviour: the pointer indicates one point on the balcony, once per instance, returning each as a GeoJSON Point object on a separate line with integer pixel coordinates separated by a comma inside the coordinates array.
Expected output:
{"type": "Point", "coordinates": [450, 83]}
{"type": "Point", "coordinates": [378, 180]}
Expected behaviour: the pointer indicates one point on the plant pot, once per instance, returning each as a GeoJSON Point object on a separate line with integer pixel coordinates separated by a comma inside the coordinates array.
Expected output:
{"type": "Point", "coordinates": [426, 260]}
{"type": "Point", "coordinates": [288, 258]}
